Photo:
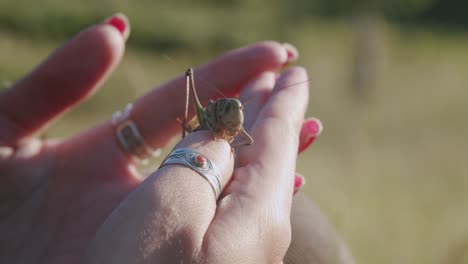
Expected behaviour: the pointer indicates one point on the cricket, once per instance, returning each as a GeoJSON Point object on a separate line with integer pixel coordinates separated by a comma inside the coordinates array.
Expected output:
{"type": "Point", "coordinates": [224, 117]}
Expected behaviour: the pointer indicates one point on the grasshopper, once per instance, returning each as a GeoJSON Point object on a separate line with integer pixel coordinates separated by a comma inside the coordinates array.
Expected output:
{"type": "Point", "coordinates": [224, 117]}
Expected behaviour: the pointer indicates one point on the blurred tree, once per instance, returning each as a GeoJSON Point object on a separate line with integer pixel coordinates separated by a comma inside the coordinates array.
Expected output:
{"type": "Point", "coordinates": [447, 12]}
{"type": "Point", "coordinates": [163, 25]}
{"type": "Point", "coordinates": [401, 8]}
{"type": "Point", "coordinates": [368, 17]}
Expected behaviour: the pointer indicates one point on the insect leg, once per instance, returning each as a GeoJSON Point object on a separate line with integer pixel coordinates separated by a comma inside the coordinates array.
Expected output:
{"type": "Point", "coordinates": [198, 107]}
{"type": "Point", "coordinates": [187, 97]}
{"type": "Point", "coordinates": [248, 140]}
{"type": "Point", "coordinates": [209, 127]}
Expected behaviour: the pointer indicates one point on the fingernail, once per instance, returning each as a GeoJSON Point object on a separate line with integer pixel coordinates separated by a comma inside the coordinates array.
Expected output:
{"type": "Point", "coordinates": [299, 181]}
{"type": "Point", "coordinates": [311, 129]}
{"type": "Point", "coordinates": [120, 22]}
{"type": "Point", "coordinates": [293, 53]}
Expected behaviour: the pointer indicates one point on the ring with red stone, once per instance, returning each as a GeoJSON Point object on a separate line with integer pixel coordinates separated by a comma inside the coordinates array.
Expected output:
{"type": "Point", "coordinates": [129, 136]}
{"type": "Point", "coordinates": [198, 163]}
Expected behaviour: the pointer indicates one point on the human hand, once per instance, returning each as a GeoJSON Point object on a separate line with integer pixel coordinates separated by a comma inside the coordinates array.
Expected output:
{"type": "Point", "coordinates": [57, 193]}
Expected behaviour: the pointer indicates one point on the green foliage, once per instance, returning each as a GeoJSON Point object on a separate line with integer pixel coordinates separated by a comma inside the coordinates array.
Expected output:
{"type": "Point", "coordinates": [452, 13]}
{"type": "Point", "coordinates": [206, 25]}
{"type": "Point", "coordinates": [393, 8]}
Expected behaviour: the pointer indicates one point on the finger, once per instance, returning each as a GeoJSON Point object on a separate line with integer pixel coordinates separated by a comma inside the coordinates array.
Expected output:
{"type": "Point", "coordinates": [155, 114]}
{"type": "Point", "coordinates": [314, 239]}
{"type": "Point", "coordinates": [260, 192]}
{"type": "Point", "coordinates": [169, 212]}
{"type": "Point", "coordinates": [276, 133]}
{"type": "Point", "coordinates": [255, 95]}
{"type": "Point", "coordinates": [68, 76]}
{"type": "Point", "coordinates": [311, 129]}
{"type": "Point", "coordinates": [259, 89]}
{"type": "Point", "coordinates": [257, 92]}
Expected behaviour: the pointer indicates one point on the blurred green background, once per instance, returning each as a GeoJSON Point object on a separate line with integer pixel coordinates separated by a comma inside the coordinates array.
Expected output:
{"type": "Point", "coordinates": [389, 81]}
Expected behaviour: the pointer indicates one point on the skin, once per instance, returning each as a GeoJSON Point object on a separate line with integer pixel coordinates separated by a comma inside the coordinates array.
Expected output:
{"type": "Point", "coordinates": [78, 200]}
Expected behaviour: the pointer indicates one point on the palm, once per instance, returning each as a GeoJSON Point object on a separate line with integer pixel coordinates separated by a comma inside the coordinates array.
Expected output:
{"type": "Point", "coordinates": [56, 205]}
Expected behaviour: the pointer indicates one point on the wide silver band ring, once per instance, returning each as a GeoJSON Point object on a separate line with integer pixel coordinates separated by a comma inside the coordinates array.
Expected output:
{"type": "Point", "coordinates": [198, 163]}
{"type": "Point", "coordinates": [129, 136]}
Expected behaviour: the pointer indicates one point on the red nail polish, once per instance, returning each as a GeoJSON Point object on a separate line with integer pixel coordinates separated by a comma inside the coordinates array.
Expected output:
{"type": "Point", "coordinates": [299, 181]}
{"type": "Point", "coordinates": [311, 129]}
{"type": "Point", "coordinates": [292, 51]}
{"type": "Point", "coordinates": [118, 22]}
{"type": "Point", "coordinates": [290, 55]}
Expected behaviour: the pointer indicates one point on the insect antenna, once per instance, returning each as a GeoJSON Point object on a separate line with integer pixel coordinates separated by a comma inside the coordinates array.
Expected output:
{"type": "Point", "coordinates": [165, 56]}
{"type": "Point", "coordinates": [249, 101]}
{"type": "Point", "coordinates": [289, 85]}
{"type": "Point", "coordinates": [217, 90]}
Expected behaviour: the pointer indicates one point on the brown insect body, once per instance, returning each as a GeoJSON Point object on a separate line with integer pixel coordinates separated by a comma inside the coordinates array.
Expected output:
{"type": "Point", "coordinates": [224, 117]}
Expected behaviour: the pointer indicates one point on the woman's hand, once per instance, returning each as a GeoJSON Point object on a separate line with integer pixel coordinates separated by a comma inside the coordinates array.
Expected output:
{"type": "Point", "coordinates": [173, 216]}
{"type": "Point", "coordinates": [56, 194]}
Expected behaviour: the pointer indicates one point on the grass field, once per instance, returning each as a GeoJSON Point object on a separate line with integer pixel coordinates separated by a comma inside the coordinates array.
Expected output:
{"type": "Point", "coordinates": [392, 174]}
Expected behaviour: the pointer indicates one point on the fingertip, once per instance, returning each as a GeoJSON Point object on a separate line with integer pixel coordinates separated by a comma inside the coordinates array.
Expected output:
{"type": "Point", "coordinates": [108, 42]}
{"type": "Point", "coordinates": [263, 56]}
{"type": "Point", "coordinates": [120, 22]}
{"type": "Point", "coordinates": [296, 73]}
{"type": "Point", "coordinates": [98, 49]}
{"type": "Point", "coordinates": [255, 94]}
{"type": "Point", "coordinates": [299, 181]}
{"type": "Point", "coordinates": [267, 76]}
{"type": "Point", "coordinates": [315, 126]}
{"type": "Point", "coordinates": [264, 82]}
{"type": "Point", "coordinates": [311, 129]}
{"type": "Point", "coordinates": [275, 52]}
{"type": "Point", "coordinates": [293, 52]}
{"type": "Point", "coordinates": [295, 81]}
{"type": "Point", "coordinates": [93, 54]}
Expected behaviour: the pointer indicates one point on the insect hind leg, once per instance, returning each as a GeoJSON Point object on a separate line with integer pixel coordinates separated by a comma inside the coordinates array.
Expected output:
{"type": "Point", "coordinates": [188, 77]}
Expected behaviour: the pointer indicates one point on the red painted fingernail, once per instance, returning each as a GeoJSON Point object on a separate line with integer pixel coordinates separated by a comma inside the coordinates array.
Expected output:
{"type": "Point", "coordinates": [292, 51]}
{"type": "Point", "coordinates": [120, 22]}
{"type": "Point", "coordinates": [299, 181]}
{"type": "Point", "coordinates": [311, 129]}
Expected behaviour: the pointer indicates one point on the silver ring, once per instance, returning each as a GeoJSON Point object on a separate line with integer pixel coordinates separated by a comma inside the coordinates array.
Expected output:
{"type": "Point", "coordinates": [129, 136]}
{"type": "Point", "coordinates": [198, 163]}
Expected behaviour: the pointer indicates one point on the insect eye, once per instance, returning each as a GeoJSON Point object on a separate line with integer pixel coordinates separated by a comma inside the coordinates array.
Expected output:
{"type": "Point", "coordinates": [227, 108]}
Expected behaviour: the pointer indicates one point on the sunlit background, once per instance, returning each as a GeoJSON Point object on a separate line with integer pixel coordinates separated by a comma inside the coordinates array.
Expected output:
{"type": "Point", "coordinates": [389, 81]}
